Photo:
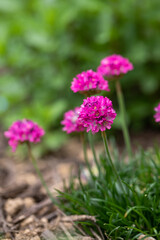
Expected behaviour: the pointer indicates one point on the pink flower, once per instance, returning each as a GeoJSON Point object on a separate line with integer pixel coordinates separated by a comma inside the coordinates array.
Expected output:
{"type": "Point", "coordinates": [23, 131]}
{"type": "Point", "coordinates": [89, 83]}
{"type": "Point", "coordinates": [97, 113]}
{"type": "Point", "coordinates": [157, 115]}
{"type": "Point", "coordinates": [71, 122]}
{"type": "Point", "coordinates": [114, 66]}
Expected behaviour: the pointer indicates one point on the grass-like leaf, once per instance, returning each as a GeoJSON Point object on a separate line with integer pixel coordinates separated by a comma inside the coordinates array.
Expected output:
{"type": "Point", "coordinates": [102, 197]}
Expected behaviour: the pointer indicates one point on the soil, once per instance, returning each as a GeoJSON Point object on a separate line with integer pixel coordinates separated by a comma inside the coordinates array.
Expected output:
{"type": "Point", "coordinates": [25, 210]}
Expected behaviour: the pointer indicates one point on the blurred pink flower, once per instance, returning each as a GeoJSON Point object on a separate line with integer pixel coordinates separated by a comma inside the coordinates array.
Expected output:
{"type": "Point", "coordinates": [23, 131]}
{"type": "Point", "coordinates": [157, 115]}
{"type": "Point", "coordinates": [114, 66]}
{"type": "Point", "coordinates": [89, 83]}
{"type": "Point", "coordinates": [97, 113]}
{"type": "Point", "coordinates": [71, 122]}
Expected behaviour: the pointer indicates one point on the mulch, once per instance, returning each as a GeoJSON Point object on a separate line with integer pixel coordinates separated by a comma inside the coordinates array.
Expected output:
{"type": "Point", "coordinates": [26, 212]}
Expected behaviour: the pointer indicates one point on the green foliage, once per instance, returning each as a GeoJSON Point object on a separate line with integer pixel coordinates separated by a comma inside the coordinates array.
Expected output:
{"type": "Point", "coordinates": [119, 215]}
{"type": "Point", "coordinates": [1, 236]}
{"type": "Point", "coordinates": [45, 43]}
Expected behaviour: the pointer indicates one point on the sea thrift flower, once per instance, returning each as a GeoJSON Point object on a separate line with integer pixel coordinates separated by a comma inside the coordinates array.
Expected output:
{"type": "Point", "coordinates": [97, 113]}
{"type": "Point", "coordinates": [89, 83]}
{"type": "Point", "coordinates": [23, 131]}
{"type": "Point", "coordinates": [114, 66]}
{"type": "Point", "coordinates": [71, 122]}
{"type": "Point", "coordinates": [157, 115]}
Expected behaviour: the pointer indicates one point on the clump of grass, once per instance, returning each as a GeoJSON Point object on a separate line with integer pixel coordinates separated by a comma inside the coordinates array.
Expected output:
{"type": "Point", "coordinates": [119, 215]}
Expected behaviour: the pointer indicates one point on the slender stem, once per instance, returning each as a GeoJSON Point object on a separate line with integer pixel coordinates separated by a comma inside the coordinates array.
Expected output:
{"type": "Point", "coordinates": [34, 162]}
{"type": "Point", "coordinates": [123, 114]}
{"type": "Point", "coordinates": [83, 140]}
{"type": "Point", "coordinates": [110, 160]}
{"type": "Point", "coordinates": [90, 136]}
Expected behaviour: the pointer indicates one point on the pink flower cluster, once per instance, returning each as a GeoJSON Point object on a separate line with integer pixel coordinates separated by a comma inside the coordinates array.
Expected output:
{"type": "Point", "coordinates": [89, 82]}
{"type": "Point", "coordinates": [23, 131]}
{"type": "Point", "coordinates": [114, 66]}
{"type": "Point", "coordinates": [71, 122]}
{"type": "Point", "coordinates": [157, 115]}
{"type": "Point", "coordinates": [97, 113]}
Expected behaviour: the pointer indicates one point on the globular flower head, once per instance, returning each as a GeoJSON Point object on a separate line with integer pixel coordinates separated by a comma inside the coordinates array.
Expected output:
{"type": "Point", "coordinates": [23, 131]}
{"type": "Point", "coordinates": [71, 122]}
{"type": "Point", "coordinates": [89, 83]}
{"type": "Point", "coordinates": [97, 114]}
{"type": "Point", "coordinates": [157, 115]}
{"type": "Point", "coordinates": [114, 66]}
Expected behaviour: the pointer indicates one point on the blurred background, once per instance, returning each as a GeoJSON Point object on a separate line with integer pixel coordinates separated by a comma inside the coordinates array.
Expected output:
{"type": "Point", "coordinates": [45, 43]}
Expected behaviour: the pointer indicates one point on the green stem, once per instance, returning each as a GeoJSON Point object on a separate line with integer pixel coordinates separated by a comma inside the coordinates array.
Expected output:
{"type": "Point", "coordinates": [90, 136]}
{"type": "Point", "coordinates": [123, 114]}
{"type": "Point", "coordinates": [104, 137]}
{"type": "Point", "coordinates": [34, 162]}
{"type": "Point", "coordinates": [83, 140]}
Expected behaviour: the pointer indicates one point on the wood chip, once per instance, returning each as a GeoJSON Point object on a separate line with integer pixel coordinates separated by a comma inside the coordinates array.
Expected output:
{"type": "Point", "coordinates": [13, 205]}
{"type": "Point", "coordinates": [34, 209]}
{"type": "Point", "coordinates": [48, 235]}
{"type": "Point", "coordinates": [74, 218]}
{"type": "Point", "coordinates": [87, 238]}
{"type": "Point", "coordinates": [31, 219]}
{"type": "Point", "coordinates": [142, 236]}
{"type": "Point", "coordinates": [28, 202]}
{"type": "Point", "coordinates": [26, 235]}
{"type": "Point", "coordinates": [13, 191]}
{"type": "Point", "coordinates": [5, 225]}
{"type": "Point", "coordinates": [6, 239]}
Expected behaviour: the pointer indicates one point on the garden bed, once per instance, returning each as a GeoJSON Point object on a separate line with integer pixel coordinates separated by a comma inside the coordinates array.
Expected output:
{"type": "Point", "coordinates": [25, 210]}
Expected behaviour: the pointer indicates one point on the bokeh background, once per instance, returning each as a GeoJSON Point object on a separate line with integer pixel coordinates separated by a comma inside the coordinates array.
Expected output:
{"type": "Point", "coordinates": [45, 43]}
